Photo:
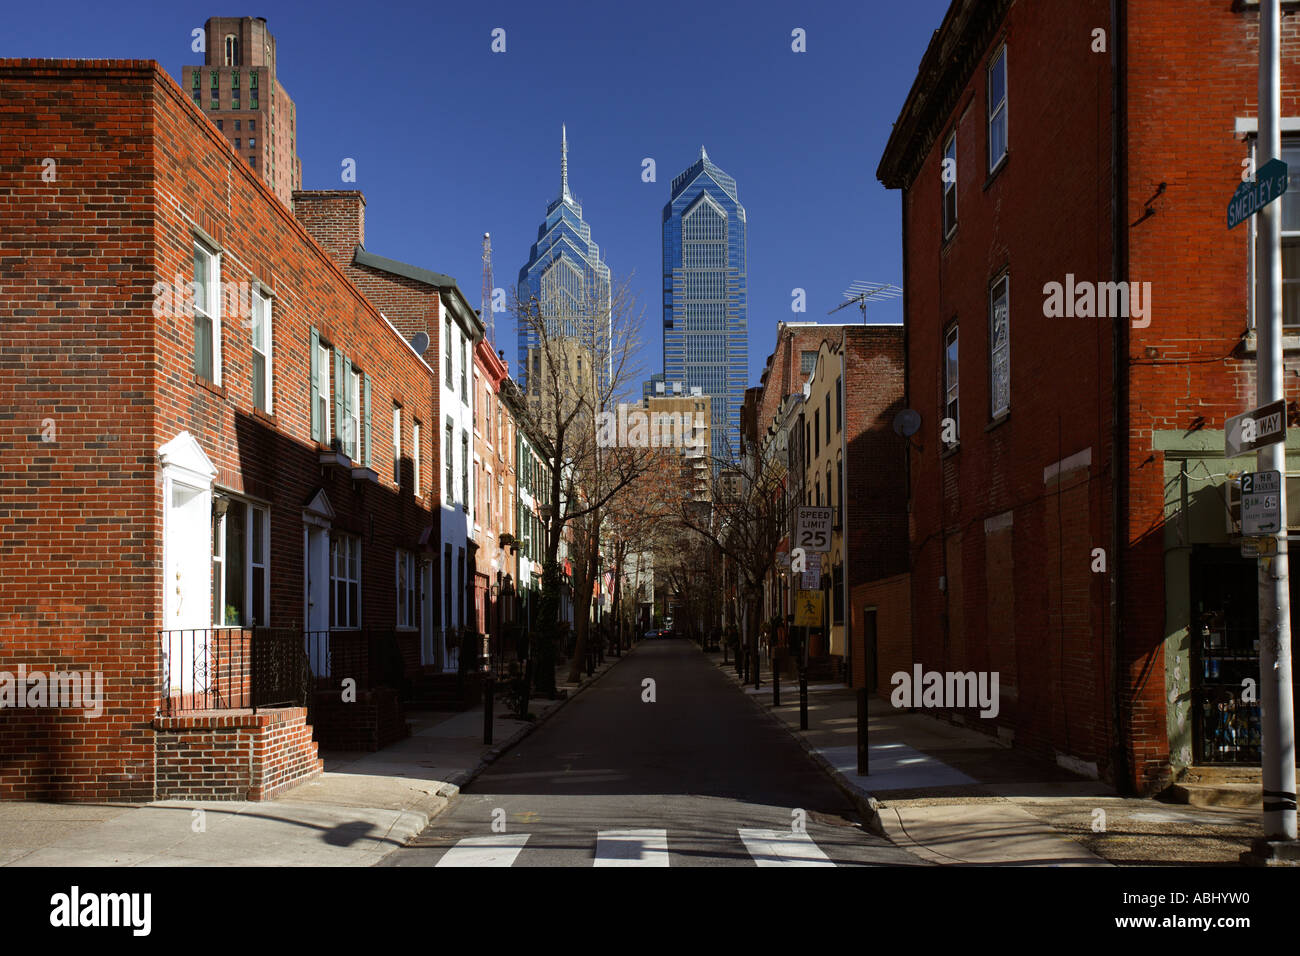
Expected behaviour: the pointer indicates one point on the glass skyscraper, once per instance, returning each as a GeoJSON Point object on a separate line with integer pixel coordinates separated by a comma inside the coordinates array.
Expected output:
{"type": "Point", "coordinates": [706, 314]}
{"type": "Point", "coordinates": [567, 276]}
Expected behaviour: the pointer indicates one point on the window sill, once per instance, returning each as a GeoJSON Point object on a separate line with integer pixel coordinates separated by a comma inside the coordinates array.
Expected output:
{"type": "Point", "coordinates": [1290, 338]}
{"type": "Point", "coordinates": [997, 170]}
{"type": "Point", "coordinates": [267, 417]}
{"type": "Point", "coordinates": [997, 421]}
{"type": "Point", "coordinates": [335, 459]}
{"type": "Point", "coordinates": [211, 386]}
{"type": "Point", "coordinates": [363, 473]}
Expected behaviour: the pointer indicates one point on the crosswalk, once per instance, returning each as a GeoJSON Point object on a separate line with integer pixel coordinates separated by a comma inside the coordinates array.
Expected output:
{"type": "Point", "coordinates": [641, 847]}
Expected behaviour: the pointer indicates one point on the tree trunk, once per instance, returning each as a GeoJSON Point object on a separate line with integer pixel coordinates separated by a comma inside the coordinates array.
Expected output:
{"type": "Point", "coordinates": [583, 582]}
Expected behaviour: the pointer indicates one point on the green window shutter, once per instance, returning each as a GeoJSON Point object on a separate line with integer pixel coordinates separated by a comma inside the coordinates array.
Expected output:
{"type": "Point", "coordinates": [338, 395]}
{"type": "Point", "coordinates": [366, 398]}
{"type": "Point", "coordinates": [315, 384]}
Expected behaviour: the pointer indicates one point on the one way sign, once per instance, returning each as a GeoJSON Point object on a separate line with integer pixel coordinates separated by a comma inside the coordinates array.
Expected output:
{"type": "Point", "coordinates": [1255, 429]}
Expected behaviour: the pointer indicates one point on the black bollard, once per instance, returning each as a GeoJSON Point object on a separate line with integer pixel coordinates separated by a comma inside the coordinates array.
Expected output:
{"type": "Point", "coordinates": [803, 697]}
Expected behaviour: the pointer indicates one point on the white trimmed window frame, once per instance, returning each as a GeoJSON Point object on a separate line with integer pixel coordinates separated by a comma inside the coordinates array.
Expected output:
{"type": "Point", "coordinates": [998, 111]}
{"type": "Point", "coordinates": [261, 320]}
{"type": "Point", "coordinates": [999, 353]}
{"type": "Point", "coordinates": [210, 306]}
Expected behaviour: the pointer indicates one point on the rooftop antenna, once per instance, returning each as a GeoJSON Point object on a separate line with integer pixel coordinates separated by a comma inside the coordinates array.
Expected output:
{"type": "Point", "coordinates": [488, 316]}
{"type": "Point", "coordinates": [859, 292]}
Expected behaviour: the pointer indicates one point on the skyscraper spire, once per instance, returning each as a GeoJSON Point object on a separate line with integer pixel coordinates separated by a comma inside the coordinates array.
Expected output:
{"type": "Point", "coordinates": [703, 154]}
{"type": "Point", "coordinates": [564, 162]}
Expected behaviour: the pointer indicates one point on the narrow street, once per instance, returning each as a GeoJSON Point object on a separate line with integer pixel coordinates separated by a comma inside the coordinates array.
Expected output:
{"type": "Point", "coordinates": [699, 777]}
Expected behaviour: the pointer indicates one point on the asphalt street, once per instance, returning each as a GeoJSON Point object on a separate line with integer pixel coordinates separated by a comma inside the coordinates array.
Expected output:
{"type": "Point", "coordinates": [698, 776]}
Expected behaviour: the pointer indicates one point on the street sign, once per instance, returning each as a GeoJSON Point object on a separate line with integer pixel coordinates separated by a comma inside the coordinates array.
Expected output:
{"type": "Point", "coordinates": [808, 609]}
{"type": "Point", "coordinates": [1270, 182]}
{"type": "Point", "coordinates": [1259, 547]}
{"type": "Point", "coordinates": [1262, 426]}
{"type": "Point", "coordinates": [812, 574]}
{"type": "Point", "coordinates": [1261, 503]}
{"type": "Point", "coordinates": [813, 528]}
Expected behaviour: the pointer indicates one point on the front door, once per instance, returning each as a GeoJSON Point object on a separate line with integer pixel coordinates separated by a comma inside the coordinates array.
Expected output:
{"type": "Point", "coordinates": [318, 599]}
{"type": "Point", "coordinates": [428, 632]}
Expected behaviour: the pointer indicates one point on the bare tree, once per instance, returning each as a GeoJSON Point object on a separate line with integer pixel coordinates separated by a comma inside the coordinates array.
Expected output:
{"type": "Point", "coordinates": [580, 365]}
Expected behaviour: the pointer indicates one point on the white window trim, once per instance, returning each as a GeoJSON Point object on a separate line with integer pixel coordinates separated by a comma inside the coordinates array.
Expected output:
{"type": "Point", "coordinates": [211, 307]}
{"type": "Point", "coordinates": [219, 537]}
{"type": "Point", "coordinates": [397, 445]}
{"type": "Point", "coordinates": [348, 541]}
{"type": "Point", "coordinates": [356, 415]}
{"type": "Point", "coordinates": [1003, 106]}
{"type": "Point", "coordinates": [407, 558]}
{"type": "Point", "coordinates": [324, 361]}
{"type": "Point", "coordinates": [415, 454]}
{"type": "Point", "coordinates": [260, 297]}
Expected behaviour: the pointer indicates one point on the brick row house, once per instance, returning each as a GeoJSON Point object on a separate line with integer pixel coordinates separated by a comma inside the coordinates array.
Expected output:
{"type": "Point", "coordinates": [221, 484]}
{"type": "Point", "coordinates": [830, 394]}
{"type": "Point", "coordinates": [1079, 327]}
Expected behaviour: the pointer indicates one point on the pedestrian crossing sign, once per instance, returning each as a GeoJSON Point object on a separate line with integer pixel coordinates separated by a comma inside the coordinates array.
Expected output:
{"type": "Point", "coordinates": [808, 609]}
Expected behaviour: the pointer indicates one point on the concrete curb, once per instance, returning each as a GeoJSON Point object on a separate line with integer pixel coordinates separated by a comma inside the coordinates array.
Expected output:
{"type": "Point", "coordinates": [866, 804]}
{"type": "Point", "coordinates": [465, 777]}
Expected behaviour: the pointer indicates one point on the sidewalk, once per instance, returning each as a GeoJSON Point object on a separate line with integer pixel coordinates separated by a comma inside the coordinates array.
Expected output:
{"type": "Point", "coordinates": [952, 795]}
{"type": "Point", "coordinates": [364, 806]}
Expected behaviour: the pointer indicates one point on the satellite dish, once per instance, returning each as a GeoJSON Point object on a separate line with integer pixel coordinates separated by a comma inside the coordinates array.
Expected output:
{"type": "Point", "coordinates": [420, 342]}
{"type": "Point", "coordinates": [907, 423]}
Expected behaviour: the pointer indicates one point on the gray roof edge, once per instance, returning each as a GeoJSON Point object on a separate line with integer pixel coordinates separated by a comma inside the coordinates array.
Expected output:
{"type": "Point", "coordinates": [436, 279]}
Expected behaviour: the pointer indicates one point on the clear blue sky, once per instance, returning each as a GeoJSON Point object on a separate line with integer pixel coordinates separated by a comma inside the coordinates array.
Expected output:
{"type": "Point", "coordinates": [452, 140]}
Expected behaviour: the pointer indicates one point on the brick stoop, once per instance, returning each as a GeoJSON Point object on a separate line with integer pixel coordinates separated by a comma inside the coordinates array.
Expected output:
{"type": "Point", "coordinates": [233, 755]}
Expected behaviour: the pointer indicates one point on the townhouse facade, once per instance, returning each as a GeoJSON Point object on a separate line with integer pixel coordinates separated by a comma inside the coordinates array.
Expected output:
{"type": "Point", "coordinates": [1071, 506]}
{"type": "Point", "coordinates": [216, 398]}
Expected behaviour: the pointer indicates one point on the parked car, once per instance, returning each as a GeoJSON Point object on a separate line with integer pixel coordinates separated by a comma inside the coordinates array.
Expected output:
{"type": "Point", "coordinates": [650, 634]}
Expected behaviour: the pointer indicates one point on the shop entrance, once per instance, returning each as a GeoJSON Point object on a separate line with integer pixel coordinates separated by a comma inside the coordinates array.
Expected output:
{"type": "Point", "coordinates": [1225, 653]}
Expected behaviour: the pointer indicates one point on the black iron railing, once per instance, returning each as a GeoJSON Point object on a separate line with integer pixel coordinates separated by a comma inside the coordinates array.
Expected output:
{"type": "Point", "coordinates": [248, 668]}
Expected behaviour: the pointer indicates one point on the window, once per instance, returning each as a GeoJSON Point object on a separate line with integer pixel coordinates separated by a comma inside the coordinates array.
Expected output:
{"type": "Point", "coordinates": [464, 365]}
{"type": "Point", "coordinates": [415, 456]}
{"type": "Point", "coordinates": [447, 346]}
{"type": "Point", "coordinates": [252, 124]}
{"type": "Point", "coordinates": [237, 143]}
{"type": "Point", "coordinates": [464, 469]}
{"type": "Point", "coordinates": [397, 445]}
{"type": "Point", "coordinates": [817, 432]}
{"type": "Point", "coordinates": [194, 76]}
{"type": "Point", "coordinates": [232, 50]}
{"type": "Point", "coordinates": [997, 97]}
{"type": "Point", "coordinates": [450, 481]}
{"type": "Point", "coordinates": [207, 314]}
{"type": "Point", "coordinates": [487, 499]}
{"type": "Point", "coordinates": [999, 349]}
{"type": "Point", "coordinates": [218, 124]}
{"type": "Point", "coordinates": [240, 543]}
{"type": "Point", "coordinates": [405, 589]}
{"type": "Point", "coordinates": [1290, 238]}
{"type": "Point", "coordinates": [345, 577]}
{"type": "Point", "coordinates": [252, 142]}
{"type": "Point", "coordinates": [321, 404]}
{"type": "Point", "coordinates": [237, 128]}
{"type": "Point", "coordinates": [828, 485]}
{"type": "Point", "coordinates": [950, 380]}
{"type": "Point", "coordinates": [261, 336]}
{"type": "Point", "coordinates": [839, 405]}
{"type": "Point", "coordinates": [352, 415]}
{"type": "Point", "coordinates": [807, 362]}
{"type": "Point", "coordinates": [828, 419]}
{"type": "Point", "coordinates": [252, 161]}
{"type": "Point", "coordinates": [949, 179]}
{"type": "Point", "coordinates": [234, 83]}
{"type": "Point", "coordinates": [252, 81]}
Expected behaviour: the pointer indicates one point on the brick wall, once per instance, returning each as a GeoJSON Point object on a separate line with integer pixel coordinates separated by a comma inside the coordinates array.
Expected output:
{"type": "Point", "coordinates": [892, 600]}
{"type": "Point", "coordinates": [140, 172]}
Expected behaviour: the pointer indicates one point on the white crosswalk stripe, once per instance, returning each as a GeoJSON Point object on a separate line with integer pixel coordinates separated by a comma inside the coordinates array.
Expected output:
{"type": "Point", "coordinates": [631, 848]}
{"type": "Point", "coordinates": [783, 848]}
{"type": "Point", "coordinates": [499, 849]}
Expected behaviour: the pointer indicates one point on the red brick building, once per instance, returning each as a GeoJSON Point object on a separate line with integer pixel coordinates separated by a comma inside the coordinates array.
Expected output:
{"type": "Point", "coordinates": [1044, 151]}
{"type": "Point", "coordinates": [200, 491]}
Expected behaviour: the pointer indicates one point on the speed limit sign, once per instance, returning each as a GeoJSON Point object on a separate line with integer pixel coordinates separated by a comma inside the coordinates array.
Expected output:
{"type": "Point", "coordinates": [812, 530]}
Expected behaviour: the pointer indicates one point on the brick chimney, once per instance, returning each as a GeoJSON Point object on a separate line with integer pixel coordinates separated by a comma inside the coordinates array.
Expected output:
{"type": "Point", "coordinates": [336, 218]}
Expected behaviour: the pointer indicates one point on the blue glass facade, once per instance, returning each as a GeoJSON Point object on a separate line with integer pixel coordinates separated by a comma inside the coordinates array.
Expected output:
{"type": "Point", "coordinates": [706, 313]}
{"type": "Point", "coordinates": [566, 274]}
